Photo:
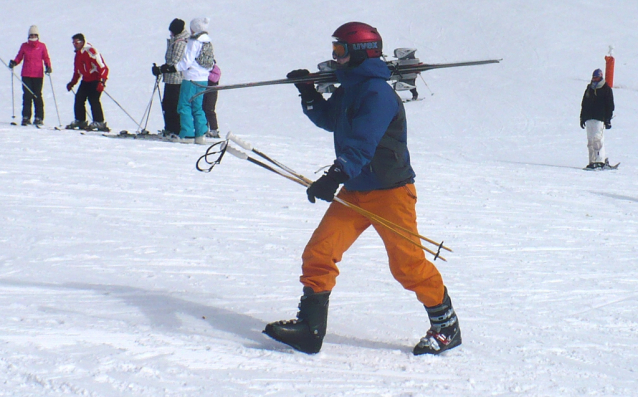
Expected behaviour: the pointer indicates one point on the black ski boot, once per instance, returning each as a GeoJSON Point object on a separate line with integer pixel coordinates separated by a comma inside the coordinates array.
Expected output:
{"type": "Point", "coordinates": [307, 331]}
{"type": "Point", "coordinates": [77, 124]}
{"type": "Point", "coordinates": [98, 126]}
{"type": "Point", "coordinates": [444, 333]}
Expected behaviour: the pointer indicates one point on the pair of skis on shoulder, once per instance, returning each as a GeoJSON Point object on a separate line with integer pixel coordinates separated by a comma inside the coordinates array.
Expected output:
{"type": "Point", "coordinates": [404, 71]}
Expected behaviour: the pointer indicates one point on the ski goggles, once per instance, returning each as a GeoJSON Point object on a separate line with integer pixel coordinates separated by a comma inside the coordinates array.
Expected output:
{"type": "Point", "coordinates": [339, 50]}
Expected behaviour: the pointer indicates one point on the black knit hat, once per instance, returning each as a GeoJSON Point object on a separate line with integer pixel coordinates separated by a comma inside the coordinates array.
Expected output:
{"type": "Point", "coordinates": [177, 26]}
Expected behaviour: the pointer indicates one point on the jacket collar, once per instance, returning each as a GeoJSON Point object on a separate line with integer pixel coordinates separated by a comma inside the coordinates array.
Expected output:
{"type": "Point", "coordinates": [181, 36]}
{"type": "Point", "coordinates": [598, 84]}
{"type": "Point", "coordinates": [370, 68]}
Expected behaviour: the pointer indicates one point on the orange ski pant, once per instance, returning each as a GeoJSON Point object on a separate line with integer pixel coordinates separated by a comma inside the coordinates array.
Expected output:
{"type": "Point", "coordinates": [341, 226]}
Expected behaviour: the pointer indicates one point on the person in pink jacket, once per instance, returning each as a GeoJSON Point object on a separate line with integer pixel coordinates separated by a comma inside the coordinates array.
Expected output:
{"type": "Point", "coordinates": [210, 100]}
{"type": "Point", "coordinates": [36, 59]}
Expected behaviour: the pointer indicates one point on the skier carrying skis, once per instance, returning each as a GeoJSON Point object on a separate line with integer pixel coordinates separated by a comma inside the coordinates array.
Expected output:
{"type": "Point", "coordinates": [35, 54]}
{"type": "Point", "coordinates": [597, 109]}
{"type": "Point", "coordinates": [90, 66]}
{"type": "Point", "coordinates": [195, 65]}
{"type": "Point", "coordinates": [373, 163]}
{"type": "Point", "coordinates": [175, 47]}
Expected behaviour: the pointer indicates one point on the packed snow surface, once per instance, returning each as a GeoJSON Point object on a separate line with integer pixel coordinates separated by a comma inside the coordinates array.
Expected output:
{"type": "Point", "coordinates": [126, 272]}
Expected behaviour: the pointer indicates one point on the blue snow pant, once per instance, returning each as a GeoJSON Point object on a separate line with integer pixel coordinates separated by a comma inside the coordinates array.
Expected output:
{"type": "Point", "coordinates": [192, 118]}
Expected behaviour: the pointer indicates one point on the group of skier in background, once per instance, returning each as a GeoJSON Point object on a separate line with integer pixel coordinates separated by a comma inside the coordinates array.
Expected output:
{"type": "Point", "coordinates": [189, 68]}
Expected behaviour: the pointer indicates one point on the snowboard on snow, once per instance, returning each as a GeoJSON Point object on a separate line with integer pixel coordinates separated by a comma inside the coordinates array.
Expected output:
{"type": "Point", "coordinates": [605, 167]}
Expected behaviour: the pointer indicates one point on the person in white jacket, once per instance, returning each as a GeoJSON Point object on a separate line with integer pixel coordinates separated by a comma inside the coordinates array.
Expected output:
{"type": "Point", "coordinates": [195, 65]}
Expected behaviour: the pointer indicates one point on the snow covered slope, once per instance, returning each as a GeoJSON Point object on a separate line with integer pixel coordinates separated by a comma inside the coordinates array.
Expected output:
{"type": "Point", "coordinates": [125, 272]}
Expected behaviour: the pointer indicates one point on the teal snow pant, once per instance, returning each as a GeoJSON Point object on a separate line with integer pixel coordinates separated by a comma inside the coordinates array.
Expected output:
{"type": "Point", "coordinates": [191, 115]}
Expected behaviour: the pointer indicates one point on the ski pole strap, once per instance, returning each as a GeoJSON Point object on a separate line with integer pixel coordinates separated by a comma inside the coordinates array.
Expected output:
{"type": "Point", "coordinates": [212, 151]}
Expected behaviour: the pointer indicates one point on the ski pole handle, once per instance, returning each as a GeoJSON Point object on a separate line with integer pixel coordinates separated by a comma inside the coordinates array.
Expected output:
{"type": "Point", "coordinates": [239, 141]}
{"type": "Point", "coordinates": [236, 153]}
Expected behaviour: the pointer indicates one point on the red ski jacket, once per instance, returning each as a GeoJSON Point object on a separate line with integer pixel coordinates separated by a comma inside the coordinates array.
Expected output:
{"type": "Point", "coordinates": [90, 65]}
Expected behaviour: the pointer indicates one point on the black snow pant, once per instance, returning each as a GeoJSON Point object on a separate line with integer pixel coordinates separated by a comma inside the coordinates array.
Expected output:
{"type": "Point", "coordinates": [169, 106]}
{"type": "Point", "coordinates": [88, 90]}
{"type": "Point", "coordinates": [35, 85]}
{"type": "Point", "coordinates": [209, 103]}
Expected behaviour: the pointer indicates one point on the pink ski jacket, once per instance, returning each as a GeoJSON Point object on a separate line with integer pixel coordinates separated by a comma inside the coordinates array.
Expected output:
{"type": "Point", "coordinates": [34, 54]}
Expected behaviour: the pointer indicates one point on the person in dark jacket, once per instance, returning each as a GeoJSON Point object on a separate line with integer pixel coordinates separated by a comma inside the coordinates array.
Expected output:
{"type": "Point", "coordinates": [175, 46]}
{"type": "Point", "coordinates": [373, 163]}
{"type": "Point", "coordinates": [597, 109]}
{"type": "Point", "coordinates": [210, 101]}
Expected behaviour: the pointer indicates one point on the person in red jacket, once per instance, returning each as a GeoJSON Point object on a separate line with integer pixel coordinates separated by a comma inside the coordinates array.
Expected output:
{"type": "Point", "coordinates": [35, 54]}
{"type": "Point", "coordinates": [90, 66]}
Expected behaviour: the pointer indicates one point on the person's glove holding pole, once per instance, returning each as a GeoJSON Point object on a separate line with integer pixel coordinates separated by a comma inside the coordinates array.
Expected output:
{"type": "Point", "coordinates": [326, 186]}
{"type": "Point", "coordinates": [166, 68]}
{"type": "Point", "coordinates": [307, 90]}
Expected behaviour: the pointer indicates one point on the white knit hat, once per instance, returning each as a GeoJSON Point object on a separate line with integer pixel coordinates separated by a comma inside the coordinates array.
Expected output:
{"type": "Point", "coordinates": [199, 25]}
{"type": "Point", "coordinates": [34, 30]}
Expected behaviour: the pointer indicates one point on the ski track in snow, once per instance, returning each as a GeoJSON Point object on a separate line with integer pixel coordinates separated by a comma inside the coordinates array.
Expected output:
{"type": "Point", "coordinates": [125, 272]}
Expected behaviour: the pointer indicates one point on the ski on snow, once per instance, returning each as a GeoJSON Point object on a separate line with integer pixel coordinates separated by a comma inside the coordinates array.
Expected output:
{"type": "Point", "coordinates": [124, 134]}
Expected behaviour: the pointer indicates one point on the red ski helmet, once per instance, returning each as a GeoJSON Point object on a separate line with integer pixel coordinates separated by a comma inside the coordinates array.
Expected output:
{"type": "Point", "coordinates": [359, 37]}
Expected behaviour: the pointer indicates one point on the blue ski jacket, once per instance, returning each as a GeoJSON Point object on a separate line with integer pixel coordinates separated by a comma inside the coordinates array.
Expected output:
{"type": "Point", "coordinates": [368, 120]}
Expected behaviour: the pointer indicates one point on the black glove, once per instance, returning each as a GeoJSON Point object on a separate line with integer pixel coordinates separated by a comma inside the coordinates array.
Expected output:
{"type": "Point", "coordinates": [326, 186]}
{"type": "Point", "coordinates": [307, 90]}
{"type": "Point", "coordinates": [165, 68]}
{"type": "Point", "coordinates": [156, 70]}
{"type": "Point", "coordinates": [12, 64]}
{"type": "Point", "coordinates": [608, 124]}
{"type": "Point", "coordinates": [582, 123]}
{"type": "Point", "coordinates": [48, 70]}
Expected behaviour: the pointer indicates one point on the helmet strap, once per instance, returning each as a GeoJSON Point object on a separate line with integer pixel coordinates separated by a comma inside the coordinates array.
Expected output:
{"type": "Point", "coordinates": [357, 58]}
